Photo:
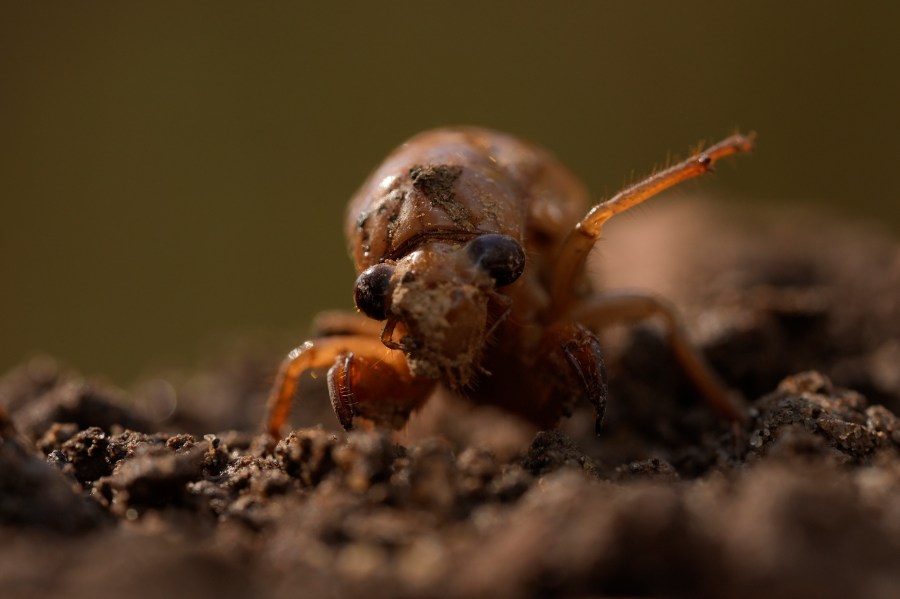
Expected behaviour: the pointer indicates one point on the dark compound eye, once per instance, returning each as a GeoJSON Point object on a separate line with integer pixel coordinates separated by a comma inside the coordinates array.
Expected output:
{"type": "Point", "coordinates": [372, 290]}
{"type": "Point", "coordinates": [501, 256]}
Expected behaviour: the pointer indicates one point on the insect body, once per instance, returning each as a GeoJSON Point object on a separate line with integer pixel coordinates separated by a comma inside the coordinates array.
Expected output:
{"type": "Point", "coordinates": [471, 246]}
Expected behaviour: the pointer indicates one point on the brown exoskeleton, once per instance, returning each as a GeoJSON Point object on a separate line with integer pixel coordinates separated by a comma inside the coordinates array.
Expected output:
{"type": "Point", "coordinates": [471, 247]}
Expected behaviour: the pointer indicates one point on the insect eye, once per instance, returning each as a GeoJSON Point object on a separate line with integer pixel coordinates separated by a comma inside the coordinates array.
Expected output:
{"type": "Point", "coordinates": [501, 257]}
{"type": "Point", "coordinates": [372, 290]}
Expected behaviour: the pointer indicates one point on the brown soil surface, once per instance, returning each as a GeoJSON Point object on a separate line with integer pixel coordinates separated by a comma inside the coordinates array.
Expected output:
{"type": "Point", "coordinates": [799, 314]}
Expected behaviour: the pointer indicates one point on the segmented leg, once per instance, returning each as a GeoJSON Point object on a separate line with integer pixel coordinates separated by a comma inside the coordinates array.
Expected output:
{"type": "Point", "coordinates": [381, 391]}
{"type": "Point", "coordinates": [581, 239]}
{"type": "Point", "coordinates": [569, 368]}
{"type": "Point", "coordinates": [362, 370]}
{"type": "Point", "coordinates": [608, 309]}
{"type": "Point", "coordinates": [583, 353]}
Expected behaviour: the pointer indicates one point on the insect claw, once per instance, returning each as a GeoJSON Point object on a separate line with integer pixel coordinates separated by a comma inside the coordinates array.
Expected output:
{"type": "Point", "coordinates": [340, 389]}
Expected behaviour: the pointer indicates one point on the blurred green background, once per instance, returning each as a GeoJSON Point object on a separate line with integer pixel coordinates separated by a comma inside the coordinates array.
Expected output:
{"type": "Point", "coordinates": [171, 172]}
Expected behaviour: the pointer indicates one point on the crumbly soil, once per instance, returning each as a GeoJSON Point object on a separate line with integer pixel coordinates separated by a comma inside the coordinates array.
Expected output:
{"type": "Point", "coordinates": [799, 314]}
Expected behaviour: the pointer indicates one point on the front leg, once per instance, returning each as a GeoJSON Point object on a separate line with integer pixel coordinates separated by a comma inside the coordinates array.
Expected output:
{"type": "Point", "coordinates": [604, 310]}
{"type": "Point", "coordinates": [365, 379]}
{"type": "Point", "coordinates": [582, 351]}
{"type": "Point", "coordinates": [380, 390]}
{"type": "Point", "coordinates": [569, 368]}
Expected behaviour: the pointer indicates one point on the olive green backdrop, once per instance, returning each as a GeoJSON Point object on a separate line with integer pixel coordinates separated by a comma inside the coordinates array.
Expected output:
{"type": "Point", "coordinates": [171, 172]}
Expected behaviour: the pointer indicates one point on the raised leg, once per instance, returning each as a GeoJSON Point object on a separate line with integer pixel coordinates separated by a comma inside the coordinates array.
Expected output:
{"type": "Point", "coordinates": [387, 379]}
{"type": "Point", "coordinates": [608, 309]}
{"type": "Point", "coordinates": [581, 239]}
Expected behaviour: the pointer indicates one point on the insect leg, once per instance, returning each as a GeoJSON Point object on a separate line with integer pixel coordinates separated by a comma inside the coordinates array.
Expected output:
{"type": "Point", "coordinates": [583, 354]}
{"type": "Point", "coordinates": [568, 368]}
{"type": "Point", "coordinates": [316, 354]}
{"type": "Point", "coordinates": [382, 391]}
{"type": "Point", "coordinates": [578, 244]}
{"type": "Point", "coordinates": [608, 309]}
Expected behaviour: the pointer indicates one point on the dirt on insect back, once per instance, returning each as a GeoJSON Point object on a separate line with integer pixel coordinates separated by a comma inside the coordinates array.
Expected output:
{"type": "Point", "coordinates": [799, 315]}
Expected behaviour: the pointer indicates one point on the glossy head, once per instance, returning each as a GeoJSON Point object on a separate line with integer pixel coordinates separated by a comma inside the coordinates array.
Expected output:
{"type": "Point", "coordinates": [452, 184]}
